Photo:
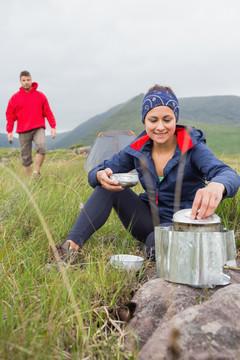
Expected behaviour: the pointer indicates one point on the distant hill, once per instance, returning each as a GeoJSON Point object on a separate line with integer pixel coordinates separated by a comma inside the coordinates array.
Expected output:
{"type": "Point", "coordinates": [4, 143]}
{"type": "Point", "coordinates": [217, 116]}
{"type": "Point", "coordinates": [65, 139]}
{"type": "Point", "coordinates": [75, 136]}
{"type": "Point", "coordinates": [223, 110]}
{"type": "Point", "coordinates": [202, 112]}
{"type": "Point", "coordinates": [53, 143]}
{"type": "Point", "coordinates": [221, 139]}
{"type": "Point", "coordinates": [126, 118]}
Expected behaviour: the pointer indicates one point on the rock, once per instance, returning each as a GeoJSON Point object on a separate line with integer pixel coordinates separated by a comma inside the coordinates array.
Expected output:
{"type": "Point", "coordinates": [174, 321]}
{"type": "Point", "coordinates": [80, 150]}
{"type": "Point", "coordinates": [157, 301]}
{"type": "Point", "coordinates": [210, 330]}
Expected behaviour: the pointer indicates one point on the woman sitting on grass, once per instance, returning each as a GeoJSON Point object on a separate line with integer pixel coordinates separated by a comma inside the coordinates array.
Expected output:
{"type": "Point", "coordinates": [160, 147]}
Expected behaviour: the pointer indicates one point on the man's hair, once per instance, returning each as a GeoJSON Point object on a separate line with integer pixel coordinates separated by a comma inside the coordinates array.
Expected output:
{"type": "Point", "coordinates": [160, 87]}
{"type": "Point", "coordinates": [24, 73]}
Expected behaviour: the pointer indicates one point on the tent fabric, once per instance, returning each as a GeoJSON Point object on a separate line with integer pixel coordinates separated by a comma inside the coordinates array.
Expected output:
{"type": "Point", "coordinates": [107, 144]}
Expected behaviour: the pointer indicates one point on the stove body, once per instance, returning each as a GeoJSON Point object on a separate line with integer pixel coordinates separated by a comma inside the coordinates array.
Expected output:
{"type": "Point", "coordinates": [193, 252]}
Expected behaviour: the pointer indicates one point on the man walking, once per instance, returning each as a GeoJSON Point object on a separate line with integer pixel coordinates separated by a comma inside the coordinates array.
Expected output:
{"type": "Point", "coordinates": [29, 108]}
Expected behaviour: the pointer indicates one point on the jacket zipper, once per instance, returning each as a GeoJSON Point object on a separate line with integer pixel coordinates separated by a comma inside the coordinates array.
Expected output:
{"type": "Point", "coordinates": [157, 196]}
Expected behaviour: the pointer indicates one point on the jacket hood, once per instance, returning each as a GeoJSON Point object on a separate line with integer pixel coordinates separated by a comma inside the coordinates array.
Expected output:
{"type": "Point", "coordinates": [187, 137]}
{"type": "Point", "coordinates": [33, 88]}
{"type": "Point", "coordinates": [197, 135]}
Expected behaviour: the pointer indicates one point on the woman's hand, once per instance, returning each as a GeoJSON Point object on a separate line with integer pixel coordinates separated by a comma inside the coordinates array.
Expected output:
{"type": "Point", "coordinates": [206, 200]}
{"type": "Point", "coordinates": [103, 177]}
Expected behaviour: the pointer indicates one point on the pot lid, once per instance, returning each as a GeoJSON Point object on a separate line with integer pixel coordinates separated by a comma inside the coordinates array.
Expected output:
{"type": "Point", "coordinates": [184, 216]}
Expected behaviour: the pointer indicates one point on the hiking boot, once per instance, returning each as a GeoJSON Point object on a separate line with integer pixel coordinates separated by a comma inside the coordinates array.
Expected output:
{"type": "Point", "coordinates": [67, 254]}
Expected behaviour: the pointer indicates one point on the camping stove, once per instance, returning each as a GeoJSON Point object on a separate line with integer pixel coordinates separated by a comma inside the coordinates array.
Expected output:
{"type": "Point", "coordinates": [193, 252]}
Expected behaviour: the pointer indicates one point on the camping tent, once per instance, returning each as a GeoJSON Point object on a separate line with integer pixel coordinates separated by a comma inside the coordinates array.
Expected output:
{"type": "Point", "coordinates": [107, 144]}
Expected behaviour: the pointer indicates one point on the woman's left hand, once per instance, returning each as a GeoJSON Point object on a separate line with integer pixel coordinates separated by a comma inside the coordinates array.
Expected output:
{"type": "Point", "coordinates": [206, 200]}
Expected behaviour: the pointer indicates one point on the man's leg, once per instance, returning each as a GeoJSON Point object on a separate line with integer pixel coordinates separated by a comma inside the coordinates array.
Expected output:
{"type": "Point", "coordinates": [39, 139]}
{"type": "Point", "coordinates": [38, 161]}
{"type": "Point", "coordinates": [27, 170]}
{"type": "Point", "coordinates": [25, 140]}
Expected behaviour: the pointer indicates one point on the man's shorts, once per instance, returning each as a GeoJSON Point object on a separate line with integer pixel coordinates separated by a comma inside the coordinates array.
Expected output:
{"type": "Point", "coordinates": [26, 138]}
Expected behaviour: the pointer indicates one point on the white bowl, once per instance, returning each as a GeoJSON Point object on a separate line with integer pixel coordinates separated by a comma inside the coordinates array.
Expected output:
{"type": "Point", "coordinates": [125, 179]}
{"type": "Point", "coordinates": [130, 262]}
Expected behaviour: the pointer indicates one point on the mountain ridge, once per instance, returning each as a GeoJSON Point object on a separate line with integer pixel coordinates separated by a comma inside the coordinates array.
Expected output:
{"type": "Point", "coordinates": [203, 112]}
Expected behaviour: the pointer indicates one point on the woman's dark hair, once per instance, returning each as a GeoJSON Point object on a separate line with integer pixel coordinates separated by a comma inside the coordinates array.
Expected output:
{"type": "Point", "coordinates": [160, 87]}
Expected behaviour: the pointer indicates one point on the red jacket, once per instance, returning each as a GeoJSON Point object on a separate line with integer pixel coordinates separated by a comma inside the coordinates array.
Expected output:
{"type": "Point", "coordinates": [29, 109]}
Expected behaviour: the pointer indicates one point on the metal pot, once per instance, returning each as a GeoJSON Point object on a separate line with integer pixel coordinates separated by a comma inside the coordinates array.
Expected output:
{"type": "Point", "coordinates": [182, 222]}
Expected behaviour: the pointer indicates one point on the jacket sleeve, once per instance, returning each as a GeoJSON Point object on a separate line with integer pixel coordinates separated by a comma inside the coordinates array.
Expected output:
{"type": "Point", "coordinates": [47, 112]}
{"type": "Point", "coordinates": [215, 170]}
{"type": "Point", "coordinates": [11, 116]}
{"type": "Point", "coordinates": [118, 163]}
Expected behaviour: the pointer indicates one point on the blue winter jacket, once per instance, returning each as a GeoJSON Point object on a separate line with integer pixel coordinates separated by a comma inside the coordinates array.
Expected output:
{"type": "Point", "coordinates": [193, 162]}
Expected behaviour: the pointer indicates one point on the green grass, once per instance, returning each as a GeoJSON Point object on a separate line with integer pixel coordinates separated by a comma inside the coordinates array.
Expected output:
{"type": "Point", "coordinates": [67, 313]}
{"type": "Point", "coordinates": [46, 313]}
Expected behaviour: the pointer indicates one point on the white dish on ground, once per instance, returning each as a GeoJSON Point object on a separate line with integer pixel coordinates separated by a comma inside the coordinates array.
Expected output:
{"type": "Point", "coordinates": [129, 262]}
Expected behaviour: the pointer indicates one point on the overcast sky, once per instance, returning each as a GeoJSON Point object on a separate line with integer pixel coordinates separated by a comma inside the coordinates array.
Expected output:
{"type": "Point", "coordinates": [88, 56]}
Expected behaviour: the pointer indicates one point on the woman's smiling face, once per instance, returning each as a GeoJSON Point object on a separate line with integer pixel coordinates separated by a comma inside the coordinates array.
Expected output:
{"type": "Point", "coordinates": [160, 124]}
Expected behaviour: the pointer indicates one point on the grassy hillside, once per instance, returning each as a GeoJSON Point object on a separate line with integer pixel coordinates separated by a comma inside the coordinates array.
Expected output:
{"type": "Point", "coordinates": [4, 143]}
{"type": "Point", "coordinates": [221, 138]}
{"type": "Point", "coordinates": [223, 110]}
{"type": "Point", "coordinates": [51, 313]}
{"type": "Point", "coordinates": [74, 136]}
{"type": "Point", "coordinates": [127, 118]}
{"type": "Point", "coordinates": [217, 116]}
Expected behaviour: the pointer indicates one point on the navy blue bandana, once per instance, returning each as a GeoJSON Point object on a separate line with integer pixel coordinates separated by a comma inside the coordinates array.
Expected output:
{"type": "Point", "coordinates": [160, 98]}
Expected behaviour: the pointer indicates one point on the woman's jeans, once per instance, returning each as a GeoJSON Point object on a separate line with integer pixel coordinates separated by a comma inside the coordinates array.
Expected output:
{"type": "Point", "coordinates": [134, 213]}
